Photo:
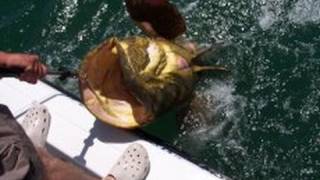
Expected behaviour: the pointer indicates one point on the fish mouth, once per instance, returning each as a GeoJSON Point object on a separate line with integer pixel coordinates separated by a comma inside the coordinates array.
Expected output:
{"type": "Point", "coordinates": [104, 91]}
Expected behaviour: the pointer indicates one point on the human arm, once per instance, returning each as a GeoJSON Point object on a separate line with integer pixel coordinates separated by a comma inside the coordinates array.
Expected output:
{"type": "Point", "coordinates": [30, 65]}
{"type": "Point", "coordinates": [147, 28]}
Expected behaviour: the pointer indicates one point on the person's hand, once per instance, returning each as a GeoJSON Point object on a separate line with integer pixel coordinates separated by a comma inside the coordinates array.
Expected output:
{"type": "Point", "coordinates": [29, 63]}
{"type": "Point", "coordinates": [147, 28]}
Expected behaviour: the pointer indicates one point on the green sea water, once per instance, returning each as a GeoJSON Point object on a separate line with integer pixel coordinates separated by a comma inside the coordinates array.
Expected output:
{"type": "Point", "coordinates": [260, 122]}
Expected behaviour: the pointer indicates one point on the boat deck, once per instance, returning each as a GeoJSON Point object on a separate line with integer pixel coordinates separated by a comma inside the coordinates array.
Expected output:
{"type": "Point", "coordinates": [76, 134]}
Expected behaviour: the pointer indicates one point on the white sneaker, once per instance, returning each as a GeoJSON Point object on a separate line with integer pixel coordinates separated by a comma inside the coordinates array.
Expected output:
{"type": "Point", "coordinates": [133, 164]}
{"type": "Point", "coordinates": [36, 124]}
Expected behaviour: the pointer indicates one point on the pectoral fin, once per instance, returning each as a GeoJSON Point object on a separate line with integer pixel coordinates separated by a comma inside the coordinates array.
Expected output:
{"type": "Point", "coordinates": [201, 52]}
{"type": "Point", "coordinates": [196, 68]}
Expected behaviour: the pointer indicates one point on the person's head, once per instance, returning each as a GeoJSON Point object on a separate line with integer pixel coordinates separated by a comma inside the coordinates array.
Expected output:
{"type": "Point", "coordinates": [161, 14]}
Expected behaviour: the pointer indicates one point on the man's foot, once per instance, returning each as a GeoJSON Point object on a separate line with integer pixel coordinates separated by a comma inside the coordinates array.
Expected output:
{"type": "Point", "coordinates": [133, 164]}
{"type": "Point", "coordinates": [36, 124]}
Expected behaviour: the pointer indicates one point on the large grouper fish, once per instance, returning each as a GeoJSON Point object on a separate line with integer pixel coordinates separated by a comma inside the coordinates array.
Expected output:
{"type": "Point", "coordinates": [128, 82]}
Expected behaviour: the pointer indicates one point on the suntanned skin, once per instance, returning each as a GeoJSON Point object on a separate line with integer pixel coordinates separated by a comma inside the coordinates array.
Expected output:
{"type": "Point", "coordinates": [29, 63]}
{"type": "Point", "coordinates": [147, 28]}
{"type": "Point", "coordinates": [56, 168]}
{"type": "Point", "coordinates": [33, 70]}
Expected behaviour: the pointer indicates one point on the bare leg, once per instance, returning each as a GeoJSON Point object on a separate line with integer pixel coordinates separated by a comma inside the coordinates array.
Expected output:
{"type": "Point", "coordinates": [55, 168]}
{"type": "Point", "coordinates": [18, 157]}
{"type": "Point", "coordinates": [38, 120]}
{"type": "Point", "coordinates": [109, 177]}
{"type": "Point", "coordinates": [58, 169]}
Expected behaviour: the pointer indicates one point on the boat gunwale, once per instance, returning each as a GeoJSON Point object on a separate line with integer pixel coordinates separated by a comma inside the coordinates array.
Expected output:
{"type": "Point", "coordinates": [148, 137]}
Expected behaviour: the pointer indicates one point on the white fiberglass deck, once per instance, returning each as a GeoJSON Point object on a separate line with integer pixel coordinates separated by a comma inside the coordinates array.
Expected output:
{"type": "Point", "coordinates": [88, 142]}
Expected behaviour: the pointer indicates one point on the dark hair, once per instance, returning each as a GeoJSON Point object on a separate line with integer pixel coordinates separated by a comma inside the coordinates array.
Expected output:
{"type": "Point", "coordinates": [164, 17]}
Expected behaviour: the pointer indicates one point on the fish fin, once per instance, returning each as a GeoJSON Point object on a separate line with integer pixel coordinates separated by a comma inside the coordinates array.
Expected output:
{"type": "Point", "coordinates": [203, 51]}
{"type": "Point", "coordinates": [196, 68]}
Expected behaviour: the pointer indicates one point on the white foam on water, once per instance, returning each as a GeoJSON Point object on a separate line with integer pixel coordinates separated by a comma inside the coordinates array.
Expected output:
{"type": "Point", "coordinates": [305, 11]}
{"type": "Point", "coordinates": [218, 108]}
{"type": "Point", "coordinates": [94, 24]}
{"type": "Point", "coordinates": [270, 13]}
{"type": "Point", "coordinates": [69, 10]}
{"type": "Point", "coordinates": [189, 7]}
{"type": "Point", "coordinates": [267, 19]}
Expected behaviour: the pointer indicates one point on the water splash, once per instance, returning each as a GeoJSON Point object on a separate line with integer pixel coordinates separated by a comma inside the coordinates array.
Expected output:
{"type": "Point", "coordinates": [305, 11]}
{"type": "Point", "coordinates": [268, 18]}
{"type": "Point", "coordinates": [189, 7]}
{"type": "Point", "coordinates": [69, 10]}
{"type": "Point", "coordinates": [94, 24]}
{"type": "Point", "coordinates": [272, 133]}
{"type": "Point", "coordinates": [214, 113]}
{"type": "Point", "coordinates": [271, 12]}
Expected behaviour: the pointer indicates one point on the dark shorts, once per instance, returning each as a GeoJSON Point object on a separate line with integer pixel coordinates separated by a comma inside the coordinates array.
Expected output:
{"type": "Point", "coordinates": [18, 157]}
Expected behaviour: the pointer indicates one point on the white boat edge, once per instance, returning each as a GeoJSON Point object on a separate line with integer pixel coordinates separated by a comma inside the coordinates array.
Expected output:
{"type": "Point", "coordinates": [95, 146]}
